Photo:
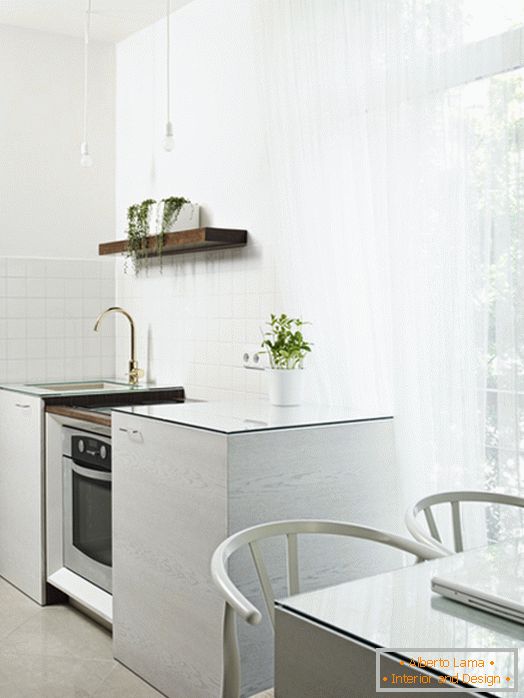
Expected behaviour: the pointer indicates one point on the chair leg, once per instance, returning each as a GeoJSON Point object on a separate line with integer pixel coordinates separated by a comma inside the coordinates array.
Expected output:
{"type": "Point", "coordinates": [231, 659]}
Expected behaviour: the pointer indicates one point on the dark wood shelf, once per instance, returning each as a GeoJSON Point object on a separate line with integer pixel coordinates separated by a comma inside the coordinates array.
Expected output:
{"type": "Point", "coordinates": [195, 240]}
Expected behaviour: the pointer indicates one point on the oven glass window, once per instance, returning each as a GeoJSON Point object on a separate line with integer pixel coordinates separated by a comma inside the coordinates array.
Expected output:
{"type": "Point", "coordinates": [92, 518]}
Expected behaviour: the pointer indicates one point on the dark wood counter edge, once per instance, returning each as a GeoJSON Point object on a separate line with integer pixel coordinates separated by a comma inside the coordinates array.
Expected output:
{"type": "Point", "coordinates": [81, 406]}
{"type": "Point", "coordinates": [86, 415]}
{"type": "Point", "coordinates": [121, 399]}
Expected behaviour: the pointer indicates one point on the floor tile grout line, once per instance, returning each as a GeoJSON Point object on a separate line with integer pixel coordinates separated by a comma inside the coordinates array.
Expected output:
{"type": "Point", "coordinates": [103, 685]}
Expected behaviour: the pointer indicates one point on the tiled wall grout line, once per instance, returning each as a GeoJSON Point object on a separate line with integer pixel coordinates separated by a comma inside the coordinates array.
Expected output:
{"type": "Point", "coordinates": [47, 310]}
{"type": "Point", "coordinates": [194, 320]}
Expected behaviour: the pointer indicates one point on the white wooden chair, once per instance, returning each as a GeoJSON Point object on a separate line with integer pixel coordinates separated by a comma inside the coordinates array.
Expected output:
{"type": "Point", "coordinates": [429, 534]}
{"type": "Point", "coordinates": [236, 603]}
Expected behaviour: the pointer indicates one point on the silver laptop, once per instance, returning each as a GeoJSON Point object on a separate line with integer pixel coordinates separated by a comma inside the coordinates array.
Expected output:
{"type": "Point", "coordinates": [490, 579]}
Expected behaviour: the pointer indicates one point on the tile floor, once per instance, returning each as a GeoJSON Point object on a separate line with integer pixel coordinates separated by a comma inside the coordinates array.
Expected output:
{"type": "Point", "coordinates": [56, 652]}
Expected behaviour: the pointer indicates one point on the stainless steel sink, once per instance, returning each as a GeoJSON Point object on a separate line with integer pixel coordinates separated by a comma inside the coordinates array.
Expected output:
{"type": "Point", "coordinates": [78, 387]}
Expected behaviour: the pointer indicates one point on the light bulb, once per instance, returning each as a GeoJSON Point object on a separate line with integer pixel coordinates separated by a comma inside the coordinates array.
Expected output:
{"type": "Point", "coordinates": [85, 159]}
{"type": "Point", "coordinates": [169, 141]}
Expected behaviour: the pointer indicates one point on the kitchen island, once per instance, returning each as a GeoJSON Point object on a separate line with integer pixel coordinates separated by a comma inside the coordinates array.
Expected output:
{"type": "Point", "coordinates": [185, 477]}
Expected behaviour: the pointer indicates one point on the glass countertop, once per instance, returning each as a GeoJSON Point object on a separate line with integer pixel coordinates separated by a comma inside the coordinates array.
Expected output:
{"type": "Point", "coordinates": [95, 386]}
{"type": "Point", "coordinates": [241, 416]}
{"type": "Point", "coordinates": [398, 609]}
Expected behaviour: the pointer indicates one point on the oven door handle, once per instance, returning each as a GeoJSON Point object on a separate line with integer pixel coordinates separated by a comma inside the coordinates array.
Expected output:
{"type": "Point", "coordinates": [90, 473]}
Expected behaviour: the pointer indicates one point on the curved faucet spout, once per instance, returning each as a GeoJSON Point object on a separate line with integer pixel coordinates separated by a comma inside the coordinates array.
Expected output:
{"type": "Point", "coordinates": [135, 373]}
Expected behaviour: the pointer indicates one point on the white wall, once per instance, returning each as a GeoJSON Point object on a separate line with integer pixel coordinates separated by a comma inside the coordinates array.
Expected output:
{"type": "Point", "coordinates": [47, 312]}
{"type": "Point", "coordinates": [53, 212]}
{"type": "Point", "coordinates": [49, 205]}
{"type": "Point", "coordinates": [196, 317]}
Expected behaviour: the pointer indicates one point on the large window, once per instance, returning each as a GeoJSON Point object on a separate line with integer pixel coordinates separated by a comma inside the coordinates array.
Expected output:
{"type": "Point", "coordinates": [456, 200]}
{"type": "Point", "coordinates": [496, 119]}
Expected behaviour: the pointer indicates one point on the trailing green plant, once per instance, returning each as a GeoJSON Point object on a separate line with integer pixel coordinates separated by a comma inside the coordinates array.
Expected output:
{"type": "Point", "coordinates": [138, 226]}
{"type": "Point", "coordinates": [171, 208]}
{"type": "Point", "coordinates": [285, 343]}
{"type": "Point", "coordinates": [138, 220]}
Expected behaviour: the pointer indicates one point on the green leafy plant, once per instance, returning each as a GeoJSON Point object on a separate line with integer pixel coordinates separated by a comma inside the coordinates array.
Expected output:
{"type": "Point", "coordinates": [138, 225]}
{"type": "Point", "coordinates": [138, 219]}
{"type": "Point", "coordinates": [171, 208]}
{"type": "Point", "coordinates": [285, 343]}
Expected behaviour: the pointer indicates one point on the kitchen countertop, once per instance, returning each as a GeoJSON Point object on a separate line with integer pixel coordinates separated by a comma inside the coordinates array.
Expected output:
{"type": "Point", "coordinates": [164, 404]}
{"type": "Point", "coordinates": [38, 389]}
{"type": "Point", "coordinates": [248, 416]}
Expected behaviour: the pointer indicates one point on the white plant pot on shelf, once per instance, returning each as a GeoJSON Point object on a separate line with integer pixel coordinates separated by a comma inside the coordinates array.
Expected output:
{"type": "Point", "coordinates": [186, 218]}
{"type": "Point", "coordinates": [286, 386]}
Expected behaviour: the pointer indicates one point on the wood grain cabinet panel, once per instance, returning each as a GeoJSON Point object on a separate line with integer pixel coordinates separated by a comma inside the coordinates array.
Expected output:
{"type": "Point", "coordinates": [179, 491]}
{"type": "Point", "coordinates": [21, 493]}
{"type": "Point", "coordinates": [169, 486]}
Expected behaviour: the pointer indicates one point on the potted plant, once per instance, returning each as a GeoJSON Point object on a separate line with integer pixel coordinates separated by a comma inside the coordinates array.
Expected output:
{"type": "Point", "coordinates": [173, 214]}
{"type": "Point", "coordinates": [287, 349]}
{"type": "Point", "coordinates": [176, 213]}
{"type": "Point", "coordinates": [138, 225]}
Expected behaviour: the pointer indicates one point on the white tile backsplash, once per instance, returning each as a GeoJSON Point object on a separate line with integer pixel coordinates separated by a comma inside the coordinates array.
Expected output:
{"type": "Point", "coordinates": [194, 319]}
{"type": "Point", "coordinates": [47, 311]}
{"type": "Point", "coordinates": [196, 316]}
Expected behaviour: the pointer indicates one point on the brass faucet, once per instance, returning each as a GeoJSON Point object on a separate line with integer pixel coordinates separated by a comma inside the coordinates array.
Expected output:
{"type": "Point", "coordinates": [134, 373]}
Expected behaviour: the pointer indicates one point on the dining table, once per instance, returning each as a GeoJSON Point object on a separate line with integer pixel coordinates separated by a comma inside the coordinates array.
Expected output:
{"type": "Point", "coordinates": [391, 634]}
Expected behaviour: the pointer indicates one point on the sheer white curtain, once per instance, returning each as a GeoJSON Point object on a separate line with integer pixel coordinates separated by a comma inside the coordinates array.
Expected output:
{"type": "Point", "coordinates": [394, 135]}
{"type": "Point", "coordinates": [318, 81]}
{"type": "Point", "coordinates": [454, 178]}
{"type": "Point", "coordinates": [434, 256]}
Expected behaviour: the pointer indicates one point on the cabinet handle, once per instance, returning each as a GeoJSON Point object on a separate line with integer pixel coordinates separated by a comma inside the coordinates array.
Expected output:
{"type": "Point", "coordinates": [129, 431]}
{"type": "Point", "coordinates": [22, 407]}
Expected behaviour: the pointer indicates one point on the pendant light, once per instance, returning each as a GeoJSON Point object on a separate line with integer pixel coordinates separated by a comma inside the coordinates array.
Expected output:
{"type": "Point", "coordinates": [85, 158]}
{"type": "Point", "coordinates": [169, 142]}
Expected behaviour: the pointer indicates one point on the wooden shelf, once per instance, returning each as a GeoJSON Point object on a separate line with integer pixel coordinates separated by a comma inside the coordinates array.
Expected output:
{"type": "Point", "coordinates": [195, 240]}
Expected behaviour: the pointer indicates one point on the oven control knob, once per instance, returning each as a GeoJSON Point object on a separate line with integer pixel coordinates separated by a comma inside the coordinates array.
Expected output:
{"type": "Point", "coordinates": [81, 446]}
{"type": "Point", "coordinates": [103, 452]}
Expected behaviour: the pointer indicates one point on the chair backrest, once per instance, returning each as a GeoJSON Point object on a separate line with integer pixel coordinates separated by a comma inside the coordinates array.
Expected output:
{"type": "Point", "coordinates": [235, 601]}
{"type": "Point", "coordinates": [429, 533]}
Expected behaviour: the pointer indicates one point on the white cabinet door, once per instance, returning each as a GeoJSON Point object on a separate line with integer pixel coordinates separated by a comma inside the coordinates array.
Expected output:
{"type": "Point", "coordinates": [21, 492]}
{"type": "Point", "coordinates": [169, 514]}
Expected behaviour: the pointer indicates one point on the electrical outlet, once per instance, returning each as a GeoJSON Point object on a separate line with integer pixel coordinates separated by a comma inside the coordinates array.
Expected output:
{"type": "Point", "coordinates": [254, 358]}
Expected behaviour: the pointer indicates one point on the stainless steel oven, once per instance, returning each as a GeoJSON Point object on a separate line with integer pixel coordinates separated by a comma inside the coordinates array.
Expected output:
{"type": "Point", "coordinates": [87, 507]}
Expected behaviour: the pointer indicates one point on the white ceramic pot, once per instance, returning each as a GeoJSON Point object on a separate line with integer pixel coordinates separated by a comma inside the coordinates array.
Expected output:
{"type": "Point", "coordinates": [286, 386]}
{"type": "Point", "coordinates": [188, 217]}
